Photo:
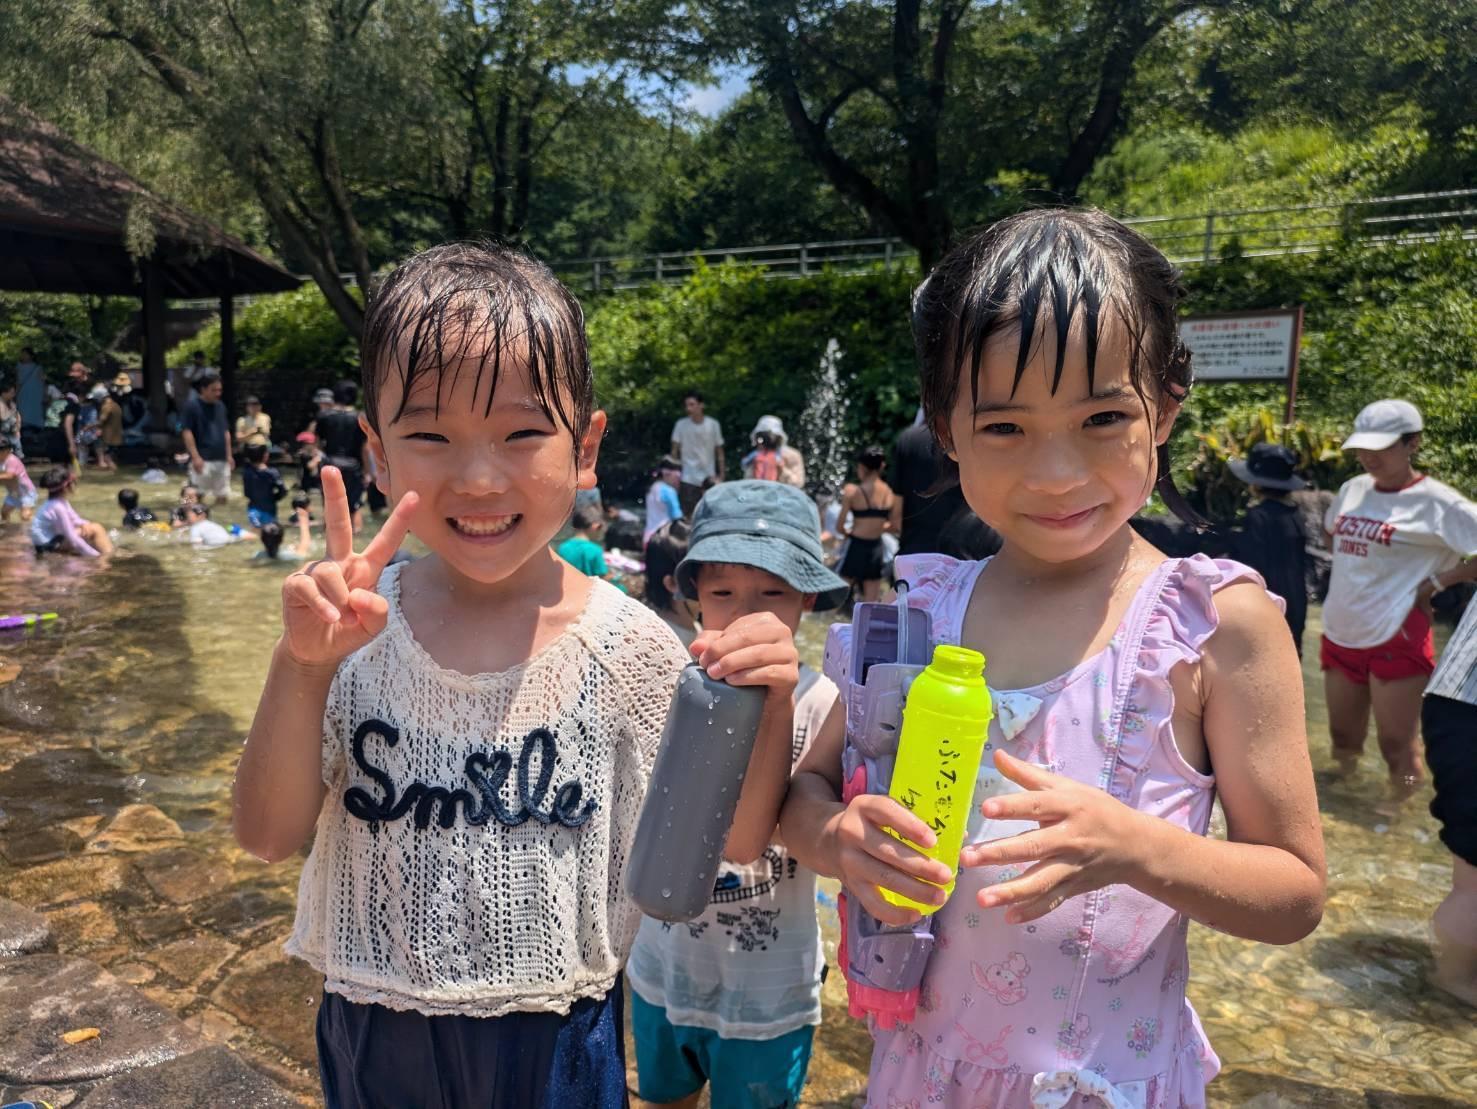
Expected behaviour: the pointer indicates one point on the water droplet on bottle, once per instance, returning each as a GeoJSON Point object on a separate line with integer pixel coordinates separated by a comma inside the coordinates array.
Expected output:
{"type": "Point", "coordinates": [666, 789]}
{"type": "Point", "coordinates": [729, 731]}
{"type": "Point", "coordinates": [666, 892]}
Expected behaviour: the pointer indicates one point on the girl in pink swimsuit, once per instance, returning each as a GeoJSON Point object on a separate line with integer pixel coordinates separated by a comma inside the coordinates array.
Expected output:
{"type": "Point", "coordinates": [1131, 690]}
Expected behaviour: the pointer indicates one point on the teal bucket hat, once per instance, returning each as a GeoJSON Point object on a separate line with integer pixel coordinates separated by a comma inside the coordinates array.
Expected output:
{"type": "Point", "coordinates": [768, 526]}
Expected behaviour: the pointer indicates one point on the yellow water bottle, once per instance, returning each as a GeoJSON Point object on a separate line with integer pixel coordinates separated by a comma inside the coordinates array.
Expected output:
{"type": "Point", "coordinates": [945, 720]}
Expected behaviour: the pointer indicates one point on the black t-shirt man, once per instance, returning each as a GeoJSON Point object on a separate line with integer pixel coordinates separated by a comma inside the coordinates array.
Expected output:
{"type": "Point", "coordinates": [343, 441]}
{"type": "Point", "coordinates": [1274, 543]}
{"type": "Point", "coordinates": [207, 422]}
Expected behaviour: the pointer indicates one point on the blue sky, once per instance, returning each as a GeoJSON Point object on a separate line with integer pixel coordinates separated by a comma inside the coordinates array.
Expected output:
{"type": "Point", "coordinates": [709, 100]}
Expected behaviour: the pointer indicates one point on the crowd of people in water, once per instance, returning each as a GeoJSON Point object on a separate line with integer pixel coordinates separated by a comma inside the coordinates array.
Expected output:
{"type": "Point", "coordinates": [476, 944]}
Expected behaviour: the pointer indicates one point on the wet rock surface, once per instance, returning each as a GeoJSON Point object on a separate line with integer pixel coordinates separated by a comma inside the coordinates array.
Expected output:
{"type": "Point", "coordinates": [215, 1077]}
{"type": "Point", "coordinates": [42, 997]}
{"type": "Point", "coordinates": [22, 931]}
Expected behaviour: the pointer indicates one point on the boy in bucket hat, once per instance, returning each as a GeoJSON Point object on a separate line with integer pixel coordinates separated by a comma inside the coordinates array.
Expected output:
{"type": "Point", "coordinates": [732, 998]}
{"type": "Point", "coordinates": [1272, 539]}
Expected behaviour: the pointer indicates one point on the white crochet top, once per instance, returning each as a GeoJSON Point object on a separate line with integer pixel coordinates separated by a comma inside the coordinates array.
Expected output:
{"type": "Point", "coordinates": [471, 851]}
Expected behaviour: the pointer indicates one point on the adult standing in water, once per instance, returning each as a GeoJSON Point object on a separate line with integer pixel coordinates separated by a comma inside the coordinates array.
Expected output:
{"type": "Point", "coordinates": [1399, 537]}
{"type": "Point", "coordinates": [697, 442]}
{"type": "Point", "coordinates": [347, 447]}
{"type": "Point", "coordinates": [30, 384]}
{"type": "Point", "coordinates": [875, 509]}
{"type": "Point", "coordinates": [206, 430]}
{"type": "Point", "coordinates": [791, 461]}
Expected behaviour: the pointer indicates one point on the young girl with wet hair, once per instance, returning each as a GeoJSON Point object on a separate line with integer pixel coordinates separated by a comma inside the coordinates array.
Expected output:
{"type": "Point", "coordinates": [468, 736]}
{"type": "Point", "coordinates": [1131, 690]}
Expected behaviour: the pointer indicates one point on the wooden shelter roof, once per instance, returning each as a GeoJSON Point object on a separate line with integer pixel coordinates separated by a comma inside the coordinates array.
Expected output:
{"type": "Point", "coordinates": [63, 215]}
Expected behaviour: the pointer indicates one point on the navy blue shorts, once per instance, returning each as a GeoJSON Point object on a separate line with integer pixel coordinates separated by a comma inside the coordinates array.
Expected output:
{"type": "Point", "coordinates": [371, 1057]}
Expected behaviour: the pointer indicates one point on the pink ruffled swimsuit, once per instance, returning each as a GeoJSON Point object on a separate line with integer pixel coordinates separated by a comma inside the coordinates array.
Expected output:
{"type": "Point", "coordinates": [1086, 1005]}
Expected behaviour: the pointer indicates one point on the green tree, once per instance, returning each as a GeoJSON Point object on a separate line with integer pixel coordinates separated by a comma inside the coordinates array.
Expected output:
{"type": "Point", "coordinates": [334, 111]}
{"type": "Point", "coordinates": [911, 106]}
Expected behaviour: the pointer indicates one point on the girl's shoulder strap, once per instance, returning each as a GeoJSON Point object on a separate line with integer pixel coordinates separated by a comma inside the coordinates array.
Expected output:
{"type": "Point", "coordinates": [1181, 613]}
{"type": "Point", "coordinates": [942, 586]}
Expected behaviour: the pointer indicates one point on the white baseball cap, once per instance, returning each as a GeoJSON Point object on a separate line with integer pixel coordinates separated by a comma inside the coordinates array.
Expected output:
{"type": "Point", "coordinates": [1381, 424]}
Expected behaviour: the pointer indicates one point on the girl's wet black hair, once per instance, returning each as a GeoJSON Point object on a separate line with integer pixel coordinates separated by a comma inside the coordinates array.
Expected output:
{"type": "Point", "coordinates": [477, 307]}
{"type": "Point", "coordinates": [1043, 269]}
{"type": "Point", "coordinates": [271, 536]}
{"type": "Point", "coordinates": [873, 457]}
{"type": "Point", "coordinates": [666, 547]}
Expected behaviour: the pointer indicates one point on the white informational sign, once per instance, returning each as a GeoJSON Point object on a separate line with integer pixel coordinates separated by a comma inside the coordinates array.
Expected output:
{"type": "Point", "coordinates": [1244, 346]}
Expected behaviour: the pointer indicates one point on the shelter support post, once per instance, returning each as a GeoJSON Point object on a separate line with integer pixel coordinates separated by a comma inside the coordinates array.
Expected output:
{"type": "Point", "coordinates": [228, 355]}
{"type": "Point", "coordinates": [154, 345]}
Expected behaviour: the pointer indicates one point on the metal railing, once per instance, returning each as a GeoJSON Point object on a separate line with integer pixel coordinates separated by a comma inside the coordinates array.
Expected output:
{"type": "Point", "coordinates": [1202, 238]}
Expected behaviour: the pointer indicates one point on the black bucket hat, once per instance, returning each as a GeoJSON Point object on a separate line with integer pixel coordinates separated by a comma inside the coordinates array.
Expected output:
{"type": "Point", "coordinates": [766, 525]}
{"type": "Point", "coordinates": [1270, 466]}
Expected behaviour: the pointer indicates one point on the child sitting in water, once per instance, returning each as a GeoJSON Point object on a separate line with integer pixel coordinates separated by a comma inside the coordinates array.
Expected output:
{"type": "Point", "coordinates": [731, 999]}
{"type": "Point", "coordinates": [272, 549]}
{"type": "Point", "coordinates": [20, 493]}
{"type": "Point", "coordinates": [472, 797]}
{"type": "Point", "coordinates": [189, 494]}
{"type": "Point", "coordinates": [134, 517]}
{"type": "Point", "coordinates": [203, 531]}
{"type": "Point", "coordinates": [58, 527]}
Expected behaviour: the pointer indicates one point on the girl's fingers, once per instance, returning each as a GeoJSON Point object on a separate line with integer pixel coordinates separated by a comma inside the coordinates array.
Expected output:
{"type": "Point", "coordinates": [760, 673]}
{"type": "Point", "coordinates": [868, 877]}
{"type": "Point", "coordinates": [383, 546]}
{"type": "Point", "coordinates": [898, 856]}
{"type": "Point", "coordinates": [338, 522]}
{"type": "Point", "coordinates": [301, 590]}
{"type": "Point", "coordinates": [329, 578]}
{"type": "Point", "coordinates": [883, 812]}
{"type": "Point", "coordinates": [372, 609]}
{"type": "Point", "coordinates": [1027, 847]}
{"type": "Point", "coordinates": [1041, 882]}
{"type": "Point", "coordinates": [1044, 806]}
{"type": "Point", "coordinates": [885, 911]}
{"type": "Point", "coordinates": [1026, 774]}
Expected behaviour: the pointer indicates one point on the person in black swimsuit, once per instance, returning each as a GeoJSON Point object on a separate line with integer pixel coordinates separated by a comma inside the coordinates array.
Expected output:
{"type": "Point", "coordinates": [875, 509]}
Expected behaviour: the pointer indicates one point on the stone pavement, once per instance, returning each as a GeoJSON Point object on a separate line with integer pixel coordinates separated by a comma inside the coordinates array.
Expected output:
{"type": "Point", "coordinates": [142, 1055]}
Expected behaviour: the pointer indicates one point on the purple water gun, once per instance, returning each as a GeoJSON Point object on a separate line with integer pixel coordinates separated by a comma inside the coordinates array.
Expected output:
{"type": "Point", "coordinates": [873, 660]}
{"type": "Point", "coordinates": [27, 620]}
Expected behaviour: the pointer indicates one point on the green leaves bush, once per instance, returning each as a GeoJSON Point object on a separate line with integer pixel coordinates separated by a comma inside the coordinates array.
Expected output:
{"type": "Point", "coordinates": [294, 339]}
{"type": "Point", "coordinates": [751, 346]}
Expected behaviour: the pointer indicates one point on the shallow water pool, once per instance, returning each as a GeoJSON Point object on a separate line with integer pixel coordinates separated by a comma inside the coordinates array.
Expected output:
{"type": "Point", "coordinates": [120, 725]}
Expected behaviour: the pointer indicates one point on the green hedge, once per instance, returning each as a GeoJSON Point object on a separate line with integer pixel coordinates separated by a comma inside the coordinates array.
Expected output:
{"type": "Point", "coordinates": [751, 346]}
{"type": "Point", "coordinates": [294, 340]}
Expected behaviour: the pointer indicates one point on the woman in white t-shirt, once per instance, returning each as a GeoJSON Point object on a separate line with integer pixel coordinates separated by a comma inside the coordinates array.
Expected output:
{"type": "Point", "coordinates": [1398, 537]}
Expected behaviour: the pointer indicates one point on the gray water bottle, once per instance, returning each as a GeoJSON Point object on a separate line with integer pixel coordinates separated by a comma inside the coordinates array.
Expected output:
{"type": "Point", "coordinates": [688, 812]}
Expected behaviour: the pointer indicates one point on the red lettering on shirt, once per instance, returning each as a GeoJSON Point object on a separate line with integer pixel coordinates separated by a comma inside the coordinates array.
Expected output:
{"type": "Point", "coordinates": [1362, 527]}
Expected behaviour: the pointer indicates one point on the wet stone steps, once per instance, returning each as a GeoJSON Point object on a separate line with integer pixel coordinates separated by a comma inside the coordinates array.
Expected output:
{"type": "Point", "coordinates": [143, 1054]}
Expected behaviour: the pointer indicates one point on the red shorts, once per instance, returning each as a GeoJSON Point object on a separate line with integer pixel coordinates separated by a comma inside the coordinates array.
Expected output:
{"type": "Point", "coordinates": [1409, 653]}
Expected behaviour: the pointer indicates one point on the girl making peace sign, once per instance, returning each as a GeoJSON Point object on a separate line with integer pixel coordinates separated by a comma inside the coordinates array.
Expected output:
{"type": "Point", "coordinates": [469, 736]}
